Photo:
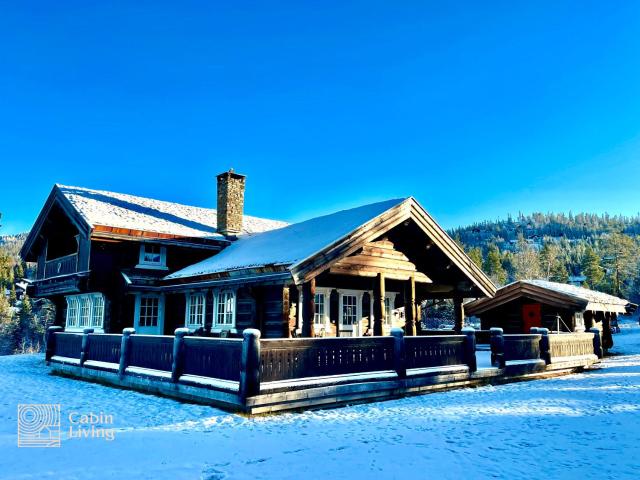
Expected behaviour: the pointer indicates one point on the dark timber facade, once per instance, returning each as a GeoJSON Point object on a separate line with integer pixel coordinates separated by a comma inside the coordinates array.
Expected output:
{"type": "Point", "coordinates": [110, 261]}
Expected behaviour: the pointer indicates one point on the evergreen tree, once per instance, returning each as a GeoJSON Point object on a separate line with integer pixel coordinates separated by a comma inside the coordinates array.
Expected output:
{"type": "Point", "coordinates": [621, 259]}
{"type": "Point", "coordinates": [13, 299]}
{"type": "Point", "coordinates": [590, 267]}
{"type": "Point", "coordinates": [476, 255]}
{"type": "Point", "coordinates": [559, 273]}
{"type": "Point", "coordinates": [493, 266]}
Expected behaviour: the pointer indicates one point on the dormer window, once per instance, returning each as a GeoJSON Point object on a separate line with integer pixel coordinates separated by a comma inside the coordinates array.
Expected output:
{"type": "Point", "coordinates": [152, 256]}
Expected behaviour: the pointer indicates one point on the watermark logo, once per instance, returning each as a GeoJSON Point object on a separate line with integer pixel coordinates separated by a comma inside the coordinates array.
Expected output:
{"type": "Point", "coordinates": [38, 425]}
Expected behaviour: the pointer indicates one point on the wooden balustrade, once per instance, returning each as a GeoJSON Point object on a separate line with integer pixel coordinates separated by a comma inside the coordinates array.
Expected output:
{"type": "Point", "coordinates": [522, 347]}
{"type": "Point", "coordinates": [104, 348]}
{"type": "Point", "coordinates": [212, 357]}
{"type": "Point", "coordinates": [570, 345]}
{"type": "Point", "coordinates": [151, 351]}
{"type": "Point", "coordinates": [434, 351]}
{"type": "Point", "coordinates": [61, 266]}
{"type": "Point", "coordinates": [300, 358]}
{"type": "Point", "coordinates": [68, 345]}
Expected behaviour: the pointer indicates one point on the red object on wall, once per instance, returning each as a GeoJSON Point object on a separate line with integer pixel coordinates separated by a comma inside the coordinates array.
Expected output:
{"type": "Point", "coordinates": [531, 316]}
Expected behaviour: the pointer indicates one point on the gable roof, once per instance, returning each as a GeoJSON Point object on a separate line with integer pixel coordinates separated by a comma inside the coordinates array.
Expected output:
{"type": "Point", "coordinates": [288, 245]}
{"type": "Point", "coordinates": [130, 212]}
{"type": "Point", "coordinates": [310, 247]}
{"type": "Point", "coordinates": [552, 293]}
{"type": "Point", "coordinates": [95, 211]}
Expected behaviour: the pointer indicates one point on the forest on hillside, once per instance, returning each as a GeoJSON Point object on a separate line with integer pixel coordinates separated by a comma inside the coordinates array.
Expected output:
{"type": "Point", "coordinates": [22, 321]}
{"type": "Point", "coordinates": [601, 252]}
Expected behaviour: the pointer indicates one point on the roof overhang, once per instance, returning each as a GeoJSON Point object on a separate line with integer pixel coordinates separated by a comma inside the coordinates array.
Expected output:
{"type": "Point", "coordinates": [518, 290]}
{"type": "Point", "coordinates": [409, 209]}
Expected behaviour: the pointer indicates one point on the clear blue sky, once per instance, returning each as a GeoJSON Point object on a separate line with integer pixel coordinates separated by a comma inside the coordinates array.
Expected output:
{"type": "Point", "coordinates": [477, 109]}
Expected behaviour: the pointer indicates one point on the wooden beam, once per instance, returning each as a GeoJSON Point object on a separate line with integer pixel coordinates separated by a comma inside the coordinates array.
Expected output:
{"type": "Point", "coordinates": [308, 307]}
{"type": "Point", "coordinates": [458, 312]}
{"type": "Point", "coordinates": [378, 304]}
{"type": "Point", "coordinates": [410, 307]}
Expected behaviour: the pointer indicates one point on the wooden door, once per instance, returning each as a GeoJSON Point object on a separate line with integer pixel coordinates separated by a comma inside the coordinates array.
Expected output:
{"type": "Point", "coordinates": [531, 316]}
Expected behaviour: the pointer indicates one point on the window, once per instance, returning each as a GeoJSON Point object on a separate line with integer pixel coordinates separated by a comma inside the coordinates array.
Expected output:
{"type": "Point", "coordinates": [195, 310]}
{"type": "Point", "coordinates": [318, 318]}
{"type": "Point", "coordinates": [149, 308]}
{"type": "Point", "coordinates": [387, 310]}
{"type": "Point", "coordinates": [349, 310]}
{"type": "Point", "coordinates": [225, 313]}
{"type": "Point", "coordinates": [152, 256]}
{"type": "Point", "coordinates": [72, 312]}
{"type": "Point", "coordinates": [85, 311]}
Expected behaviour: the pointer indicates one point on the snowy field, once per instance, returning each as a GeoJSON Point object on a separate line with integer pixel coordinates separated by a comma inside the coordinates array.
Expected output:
{"type": "Point", "coordinates": [576, 427]}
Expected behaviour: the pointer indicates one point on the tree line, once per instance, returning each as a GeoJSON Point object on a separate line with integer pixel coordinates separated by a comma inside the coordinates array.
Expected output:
{"type": "Point", "coordinates": [601, 252]}
{"type": "Point", "coordinates": [22, 323]}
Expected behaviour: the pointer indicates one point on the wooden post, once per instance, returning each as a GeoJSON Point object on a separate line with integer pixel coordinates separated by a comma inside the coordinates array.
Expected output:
{"type": "Point", "coordinates": [250, 363]}
{"type": "Point", "coordinates": [378, 304]}
{"type": "Point", "coordinates": [50, 340]}
{"type": "Point", "coordinates": [308, 307]}
{"type": "Point", "coordinates": [458, 312]}
{"type": "Point", "coordinates": [84, 353]}
{"type": "Point", "coordinates": [178, 353]}
{"type": "Point", "coordinates": [497, 347]}
{"type": "Point", "coordinates": [125, 345]}
{"type": "Point", "coordinates": [399, 352]}
{"type": "Point", "coordinates": [470, 348]}
{"type": "Point", "coordinates": [418, 321]}
{"type": "Point", "coordinates": [597, 342]}
{"type": "Point", "coordinates": [410, 307]}
{"type": "Point", "coordinates": [545, 347]}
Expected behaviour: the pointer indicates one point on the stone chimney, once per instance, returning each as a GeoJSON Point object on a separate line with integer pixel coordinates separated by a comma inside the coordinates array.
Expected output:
{"type": "Point", "coordinates": [230, 202]}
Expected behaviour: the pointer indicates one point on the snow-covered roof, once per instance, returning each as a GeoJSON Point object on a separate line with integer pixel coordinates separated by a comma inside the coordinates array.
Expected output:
{"type": "Point", "coordinates": [288, 245]}
{"type": "Point", "coordinates": [581, 293]}
{"type": "Point", "coordinates": [119, 210]}
{"type": "Point", "coordinates": [553, 293]}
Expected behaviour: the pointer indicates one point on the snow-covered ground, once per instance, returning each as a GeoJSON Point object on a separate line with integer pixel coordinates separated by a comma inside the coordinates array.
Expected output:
{"type": "Point", "coordinates": [580, 426]}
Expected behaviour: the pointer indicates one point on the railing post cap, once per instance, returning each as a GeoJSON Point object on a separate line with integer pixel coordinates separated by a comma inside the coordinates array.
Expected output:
{"type": "Point", "coordinates": [55, 328]}
{"type": "Point", "coordinates": [543, 331]}
{"type": "Point", "coordinates": [88, 330]}
{"type": "Point", "coordinates": [128, 331]}
{"type": "Point", "coordinates": [181, 331]}
{"type": "Point", "coordinates": [397, 332]}
{"type": "Point", "coordinates": [468, 330]}
{"type": "Point", "coordinates": [594, 330]}
{"type": "Point", "coordinates": [251, 332]}
{"type": "Point", "coordinates": [496, 331]}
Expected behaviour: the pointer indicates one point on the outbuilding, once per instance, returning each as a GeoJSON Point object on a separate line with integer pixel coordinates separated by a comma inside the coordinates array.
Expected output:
{"type": "Point", "coordinates": [559, 307]}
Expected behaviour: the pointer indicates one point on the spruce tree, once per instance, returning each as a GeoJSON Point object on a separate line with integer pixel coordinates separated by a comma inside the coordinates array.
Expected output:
{"type": "Point", "coordinates": [493, 266]}
{"type": "Point", "coordinates": [476, 255]}
{"type": "Point", "coordinates": [591, 268]}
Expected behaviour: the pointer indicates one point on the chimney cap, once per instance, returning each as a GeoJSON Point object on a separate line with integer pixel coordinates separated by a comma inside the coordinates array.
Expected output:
{"type": "Point", "coordinates": [230, 174]}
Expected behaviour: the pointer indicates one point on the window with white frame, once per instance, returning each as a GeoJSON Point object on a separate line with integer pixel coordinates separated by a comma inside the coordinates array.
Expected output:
{"type": "Point", "coordinates": [225, 309]}
{"type": "Point", "coordinates": [387, 310]}
{"type": "Point", "coordinates": [349, 309]}
{"type": "Point", "coordinates": [152, 255]}
{"type": "Point", "coordinates": [195, 310]}
{"type": "Point", "coordinates": [149, 311]}
{"type": "Point", "coordinates": [318, 318]}
{"type": "Point", "coordinates": [85, 311]}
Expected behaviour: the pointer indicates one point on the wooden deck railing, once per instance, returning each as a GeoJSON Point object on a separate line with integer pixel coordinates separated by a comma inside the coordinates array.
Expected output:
{"type": "Point", "coordinates": [570, 345]}
{"type": "Point", "coordinates": [213, 357]}
{"type": "Point", "coordinates": [298, 358]}
{"type": "Point", "coordinates": [104, 348]}
{"type": "Point", "coordinates": [151, 351]}
{"type": "Point", "coordinates": [61, 266]}
{"type": "Point", "coordinates": [251, 361]}
{"type": "Point", "coordinates": [68, 345]}
{"type": "Point", "coordinates": [434, 351]}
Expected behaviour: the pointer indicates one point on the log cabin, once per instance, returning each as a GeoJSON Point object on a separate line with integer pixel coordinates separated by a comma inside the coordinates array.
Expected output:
{"type": "Point", "coordinates": [524, 304]}
{"type": "Point", "coordinates": [110, 261]}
